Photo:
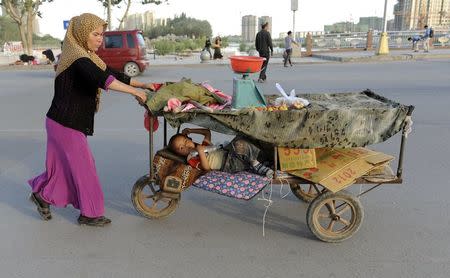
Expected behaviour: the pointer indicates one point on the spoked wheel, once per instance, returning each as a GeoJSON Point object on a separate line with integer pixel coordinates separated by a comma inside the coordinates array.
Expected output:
{"type": "Point", "coordinates": [334, 217]}
{"type": "Point", "coordinates": [305, 192]}
{"type": "Point", "coordinates": [150, 201]}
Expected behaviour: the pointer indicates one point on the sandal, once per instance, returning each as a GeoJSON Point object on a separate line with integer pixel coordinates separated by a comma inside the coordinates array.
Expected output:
{"type": "Point", "coordinates": [96, 221]}
{"type": "Point", "coordinates": [43, 208]}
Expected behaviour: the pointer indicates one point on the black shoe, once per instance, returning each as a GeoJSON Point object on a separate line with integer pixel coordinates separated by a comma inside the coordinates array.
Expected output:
{"type": "Point", "coordinates": [96, 221]}
{"type": "Point", "coordinates": [43, 208]}
{"type": "Point", "coordinates": [286, 66]}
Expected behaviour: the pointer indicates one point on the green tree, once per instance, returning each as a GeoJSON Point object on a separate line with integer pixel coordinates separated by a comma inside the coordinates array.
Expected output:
{"type": "Point", "coordinates": [8, 30]}
{"type": "Point", "coordinates": [23, 12]}
{"type": "Point", "coordinates": [182, 26]}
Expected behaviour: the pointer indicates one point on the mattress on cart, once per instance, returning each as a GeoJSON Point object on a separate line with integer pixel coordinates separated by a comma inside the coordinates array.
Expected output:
{"type": "Point", "coordinates": [339, 120]}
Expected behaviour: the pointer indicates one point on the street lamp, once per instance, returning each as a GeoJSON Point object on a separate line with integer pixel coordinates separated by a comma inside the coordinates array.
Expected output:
{"type": "Point", "coordinates": [294, 7]}
{"type": "Point", "coordinates": [383, 45]}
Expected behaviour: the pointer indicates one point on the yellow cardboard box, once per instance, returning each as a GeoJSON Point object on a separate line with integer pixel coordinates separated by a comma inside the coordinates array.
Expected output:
{"type": "Point", "coordinates": [294, 159]}
{"type": "Point", "coordinates": [338, 168]}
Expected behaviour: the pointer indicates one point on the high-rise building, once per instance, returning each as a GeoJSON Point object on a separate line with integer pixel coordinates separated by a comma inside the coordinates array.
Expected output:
{"type": "Point", "coordinates": [414, 14]}
{"type": "Point", "coordinates": [265, 19]}
{"type": "Point", "coordinates": [371, 22]}
{"type": "Point", "coordinates": [249, 28]}
{"type": "Point", "coordinates": [148, 21]}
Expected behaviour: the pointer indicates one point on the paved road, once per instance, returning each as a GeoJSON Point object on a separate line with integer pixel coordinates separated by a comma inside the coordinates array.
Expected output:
{"type": "Point", "coordinates": [405, 233]}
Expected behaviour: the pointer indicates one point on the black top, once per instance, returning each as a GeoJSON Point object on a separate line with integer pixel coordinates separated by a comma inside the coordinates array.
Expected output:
{"type": "Point", "coordinates": [263, 42]}
{"type": "Point", "coordinates": [73, 103]}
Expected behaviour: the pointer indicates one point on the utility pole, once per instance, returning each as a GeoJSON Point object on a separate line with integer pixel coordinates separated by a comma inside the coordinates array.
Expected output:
{"type": "Point", "coordinates": [383, 45]}
{"type": "Point", "coordinates": [294, 7]}
{"type": "Point", "coordinates": [109, 14]}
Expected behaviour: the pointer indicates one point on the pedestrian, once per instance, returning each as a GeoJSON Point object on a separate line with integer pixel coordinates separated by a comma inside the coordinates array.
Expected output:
{"type": "Point", "coordinates": [217, 46]}
{"type": "Point", "coordinates": [426, 38]}
{"type": "Point", "coordinates": [263, 44]}
{"type": "Point", "coordinates": [208, 47]}
{"type": "Point", "coordinates": [288, 41]}
{"type": "Point", "coordinates": [415, 42]}
{"type": "Point", "coordinates": [71, 176]}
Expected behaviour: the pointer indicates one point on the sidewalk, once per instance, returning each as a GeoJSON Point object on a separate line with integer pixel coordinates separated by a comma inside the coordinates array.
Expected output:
{"type": "Point", "coordinates": [394, 55]}
{"type": "Point", "coordinates": [317, 57]}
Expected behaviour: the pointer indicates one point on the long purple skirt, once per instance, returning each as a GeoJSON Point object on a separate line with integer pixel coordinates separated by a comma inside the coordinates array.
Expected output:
{"type": "Point", "coordinates": [70, 176]}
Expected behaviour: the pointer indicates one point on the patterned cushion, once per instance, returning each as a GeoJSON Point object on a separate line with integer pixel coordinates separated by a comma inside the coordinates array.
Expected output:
{"type": "Point", "coordinates": [241, 185]}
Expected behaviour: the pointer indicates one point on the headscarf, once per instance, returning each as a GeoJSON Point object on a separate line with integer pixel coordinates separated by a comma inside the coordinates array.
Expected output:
{"type": "Point", "coordinates": [75, 43]}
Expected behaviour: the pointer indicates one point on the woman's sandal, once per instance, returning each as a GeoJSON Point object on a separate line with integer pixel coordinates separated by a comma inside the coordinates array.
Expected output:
{"type": "Point", "coordinates": [43, 208]}
{"type": "Point", "coordinates": [96, 221]}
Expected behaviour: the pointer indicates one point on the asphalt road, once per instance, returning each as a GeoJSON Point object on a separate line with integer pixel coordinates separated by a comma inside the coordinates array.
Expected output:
{"type": "Point", "coordinates": [405, 233]}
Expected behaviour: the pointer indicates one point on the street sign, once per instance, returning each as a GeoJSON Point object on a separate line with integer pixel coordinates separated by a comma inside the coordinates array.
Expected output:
{"type": "Point", "coordinates": [294, 5]}
{"type": "Point", "coordinates": [66, 24]}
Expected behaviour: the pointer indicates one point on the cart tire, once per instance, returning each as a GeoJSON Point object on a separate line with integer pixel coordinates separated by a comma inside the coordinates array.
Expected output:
{"type": "Point", "coordinates": [148, 199]}
{"type": "Point", "coordinates": [334, 217]}
{"type": "Point", "coordinates": [305, 191]}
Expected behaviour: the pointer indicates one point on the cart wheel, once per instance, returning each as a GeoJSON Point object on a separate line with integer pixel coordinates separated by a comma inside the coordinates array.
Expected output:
{"type": "Point", "coordinates": [149, 200]}
{"type": "Point", "coordinates": [305, 192]}
{"type": "Point", "coordinates": [334, 217]}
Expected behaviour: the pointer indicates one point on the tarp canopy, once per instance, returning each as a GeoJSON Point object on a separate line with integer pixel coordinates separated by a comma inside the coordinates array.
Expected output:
{"type": "Point", "coordinates": [339, 120]}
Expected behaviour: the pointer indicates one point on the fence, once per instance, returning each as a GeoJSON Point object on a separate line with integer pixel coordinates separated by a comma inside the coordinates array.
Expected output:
{"type": "Point", "coordinates": [397, 39]}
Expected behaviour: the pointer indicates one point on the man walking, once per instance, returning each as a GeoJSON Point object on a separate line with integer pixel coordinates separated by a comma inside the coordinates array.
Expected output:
{"type": "Point", "coordinates": [263, 44]}
{"type": "Point", "coordinates": [426, 38]}
{"type": "Point", "coordinates": [288, 41]}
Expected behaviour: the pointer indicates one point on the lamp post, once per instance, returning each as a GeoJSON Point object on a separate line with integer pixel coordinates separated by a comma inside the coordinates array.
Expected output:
{"type": "Point", "coordinates": [294, 7]}
{"type": "Point", "coordinates": [383, 45]}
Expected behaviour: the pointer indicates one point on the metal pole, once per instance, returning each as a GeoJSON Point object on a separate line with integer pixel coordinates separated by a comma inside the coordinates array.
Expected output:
{"type": "Point", "coordinates": [383, 45]}
{"type": "Point", "coordinates": [293, 25]}
{"type": "Point", "coordinates": [384, 16]}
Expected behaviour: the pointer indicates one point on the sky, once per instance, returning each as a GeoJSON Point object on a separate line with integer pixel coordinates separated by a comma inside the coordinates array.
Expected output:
{"type": "Point", "coordinates": [225, 15]}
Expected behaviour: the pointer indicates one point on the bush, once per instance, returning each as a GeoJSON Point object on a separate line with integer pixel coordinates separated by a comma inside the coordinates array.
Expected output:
{"type": "Point", "coordinates": [164, 47]}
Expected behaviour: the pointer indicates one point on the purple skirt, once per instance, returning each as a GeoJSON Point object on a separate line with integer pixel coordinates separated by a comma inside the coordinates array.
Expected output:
{"type": "Point", "coordinates": [70, 176]}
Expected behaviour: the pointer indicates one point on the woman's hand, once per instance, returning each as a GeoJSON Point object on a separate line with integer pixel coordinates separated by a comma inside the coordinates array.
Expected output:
{"type": "Point", "coordinates": [141, 96]}
{"type": "Point", "coordinates": [148, 86]}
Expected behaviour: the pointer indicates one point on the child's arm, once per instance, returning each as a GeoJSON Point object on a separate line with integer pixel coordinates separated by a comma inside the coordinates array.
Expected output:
{"type": "Point", "coordinates": [202, 131]}
{"type": "Point", "coordinates": [204, 164]}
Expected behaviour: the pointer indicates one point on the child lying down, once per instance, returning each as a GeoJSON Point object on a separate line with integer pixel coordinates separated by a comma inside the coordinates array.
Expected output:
{"type": "Point", "coordinates": [239, 155]}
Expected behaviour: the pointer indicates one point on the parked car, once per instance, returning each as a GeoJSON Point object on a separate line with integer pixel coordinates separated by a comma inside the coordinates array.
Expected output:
{"type": "Point", "coordinates": [124, 51]}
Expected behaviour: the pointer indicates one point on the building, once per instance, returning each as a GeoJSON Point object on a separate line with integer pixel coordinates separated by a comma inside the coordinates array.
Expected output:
{"type": "Point", "coordinates": [249, 28]}
{"type": "Point", "coordinates": [340, 27]}
{"type": "Point", "coordinates": [414, 14]}
{"type": "Point", "coordinates": [144, 21]}
{"type": "Point", "coordinates": [369, 23]}
{"type": "Point", "coordinates": [265, 19]}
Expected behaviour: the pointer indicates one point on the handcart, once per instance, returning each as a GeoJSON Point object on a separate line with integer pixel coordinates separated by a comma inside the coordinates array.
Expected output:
{"type": "Point", "coordinates": [333, 214]}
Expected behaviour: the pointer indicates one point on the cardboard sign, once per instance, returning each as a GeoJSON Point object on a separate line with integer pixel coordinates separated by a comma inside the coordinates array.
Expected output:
{"type": "Point", "coordinates": [338, 168]}
{"type": "Point", "coordinates": [294, 159]}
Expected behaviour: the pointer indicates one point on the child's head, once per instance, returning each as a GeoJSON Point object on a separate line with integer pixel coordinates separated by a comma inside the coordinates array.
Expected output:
{"type": "Point", "coordinates": [181, 144]}
{"type": "Point", "coordinates": [409, 38]}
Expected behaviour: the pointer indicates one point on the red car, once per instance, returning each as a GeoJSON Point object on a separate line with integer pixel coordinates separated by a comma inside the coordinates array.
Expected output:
{"type": "Point", "coordinates": [124, 51]}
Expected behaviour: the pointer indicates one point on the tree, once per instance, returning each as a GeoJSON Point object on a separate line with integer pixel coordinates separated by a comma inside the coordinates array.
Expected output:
{"type": "Point", "coordinates": [109, 4]}
{"type": "Point", "coordinates": [23, 12]}
{"type": "Point", "coordinates": [8, 30]}
{"type": "Point", "coordinates": [182, 26]}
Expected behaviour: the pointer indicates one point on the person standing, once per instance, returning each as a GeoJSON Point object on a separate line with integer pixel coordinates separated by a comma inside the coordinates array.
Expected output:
{"type": "Point", "coordinates": [71, 176]}
{"type": "Point", "coordinates": [263, 44]}
{"type": "Point", "coordinates": [426, 38]}
{"type": "Point", "coordinates": [217, 46]}
{"type": "Point", "coordinates": [208, 47]}
{"type": "Point", "coordinates": [288, 41]}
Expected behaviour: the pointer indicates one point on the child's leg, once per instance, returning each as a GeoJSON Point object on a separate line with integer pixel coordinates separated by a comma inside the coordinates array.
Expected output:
{"type": "Point", "coordinates": [248, 153]}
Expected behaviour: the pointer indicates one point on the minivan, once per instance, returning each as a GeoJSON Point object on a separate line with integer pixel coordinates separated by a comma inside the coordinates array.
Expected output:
{"type": "Point", "coordinates": [124, 51]}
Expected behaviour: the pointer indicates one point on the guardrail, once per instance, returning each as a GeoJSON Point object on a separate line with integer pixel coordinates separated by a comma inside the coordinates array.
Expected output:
{"type": "Point", "coordinates": [397, 39]}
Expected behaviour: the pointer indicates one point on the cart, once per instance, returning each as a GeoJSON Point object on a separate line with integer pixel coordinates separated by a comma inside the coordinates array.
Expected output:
{"type": "Point", "coordinates": [332, 216]}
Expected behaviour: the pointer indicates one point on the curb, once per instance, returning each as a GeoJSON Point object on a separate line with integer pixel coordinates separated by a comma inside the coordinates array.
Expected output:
{"type": "Point", "coordinates": [375, 58]}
